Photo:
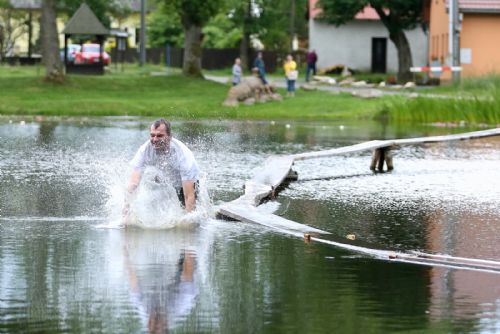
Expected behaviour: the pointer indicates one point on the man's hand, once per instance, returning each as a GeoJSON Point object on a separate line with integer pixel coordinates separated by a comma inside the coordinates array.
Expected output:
{"type": "Point", "coordinates": [135, 178]}
{"type": "Point", "coordinates": [126, 209]}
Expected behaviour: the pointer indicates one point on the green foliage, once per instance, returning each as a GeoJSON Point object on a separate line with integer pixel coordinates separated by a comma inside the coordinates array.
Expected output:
{"type": "Point", "coordinates": [276, 20]}
{"type": "Point", "coordinates": [269, 20]}
{"type": "Point", "coordinates": [164, 27]}
{"type": "Point", "coordinates": [339, 12]}
{"type": "Point", "coordinates": [221, 32]}
{"type": "Point", "coordinates": [466, 110]}
{"type": "Point", "coordinates": [490, 83]}
{"type": "Point", "coordinates": [399, 14]}
{"type": "Point", "coordinates": [194, 12]}
{"type": "Point", "coordinates": [225, 22]}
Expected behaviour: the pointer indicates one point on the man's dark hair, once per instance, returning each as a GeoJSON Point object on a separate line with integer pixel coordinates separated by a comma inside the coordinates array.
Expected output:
{"type": "Point", "coordinates": [158, 122]}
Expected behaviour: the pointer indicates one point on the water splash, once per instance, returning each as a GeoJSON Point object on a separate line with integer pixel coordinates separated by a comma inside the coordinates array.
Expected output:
{"type": "Point", "coordinates": [155, 204]}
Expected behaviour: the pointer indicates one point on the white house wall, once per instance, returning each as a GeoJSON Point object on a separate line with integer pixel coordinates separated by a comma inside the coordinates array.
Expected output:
{"type": "Point", "coordinates": [351, 44]}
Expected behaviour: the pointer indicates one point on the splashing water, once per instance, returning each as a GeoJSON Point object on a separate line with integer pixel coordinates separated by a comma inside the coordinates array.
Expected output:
{"type": "Point", "coordinates": [155, 204]}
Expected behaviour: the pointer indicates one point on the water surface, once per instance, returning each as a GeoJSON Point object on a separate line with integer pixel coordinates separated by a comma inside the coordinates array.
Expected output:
{"type": "Point", "coordinates": [60, 271]}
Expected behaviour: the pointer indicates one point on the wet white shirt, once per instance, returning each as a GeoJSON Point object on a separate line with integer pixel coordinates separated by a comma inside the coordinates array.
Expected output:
{"type": "Point", "coordinates": [177, 165]}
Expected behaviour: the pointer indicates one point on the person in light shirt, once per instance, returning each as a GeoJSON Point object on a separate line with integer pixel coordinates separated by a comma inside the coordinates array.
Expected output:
{"type": "Point", "coordinates": [236, 71]}
{"type": "Point", "coordinates": [172, 158]}
{"type": "Point", "coordinates": [290, 68]}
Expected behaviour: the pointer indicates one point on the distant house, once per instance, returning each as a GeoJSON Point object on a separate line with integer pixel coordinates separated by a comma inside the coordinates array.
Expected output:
{"type": "Point", "coordinates": [361, 44]}
{"type": "Point", "coordinates": [23, 29]}
{"type": "Point", "coordinates": [479, 36]}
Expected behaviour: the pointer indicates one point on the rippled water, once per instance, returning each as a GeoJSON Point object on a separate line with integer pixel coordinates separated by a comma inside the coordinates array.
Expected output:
{"type": "Point", "coordinates": [60, 271]}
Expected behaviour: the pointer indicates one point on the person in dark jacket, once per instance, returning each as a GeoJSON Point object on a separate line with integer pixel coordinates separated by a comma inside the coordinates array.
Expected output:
{"type": "Point", "coordinates": [312, 58]}
{"type": "Point", "coordinates": [259, 64]}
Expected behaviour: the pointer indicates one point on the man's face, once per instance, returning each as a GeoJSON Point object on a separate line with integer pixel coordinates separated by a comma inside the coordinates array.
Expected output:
{"type": "Point", "coordinates": [159, 138]}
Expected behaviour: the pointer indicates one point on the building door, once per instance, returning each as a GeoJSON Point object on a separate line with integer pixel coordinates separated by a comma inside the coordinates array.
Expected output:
{"type": "Point", "coordinates": [379, 55]}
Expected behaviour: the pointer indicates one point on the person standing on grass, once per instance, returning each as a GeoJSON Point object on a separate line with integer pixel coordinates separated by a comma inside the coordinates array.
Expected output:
{"type": "Point", "coordinates": [311, 59]}
{"type": "Point", "coordinates": [259, 64]}
{"type": "Point", "coordinates": [237, 71]}
{"type": "Point", "coordinates": [172, 157]}
{"type": "Point", "coordinates": [291, 75]}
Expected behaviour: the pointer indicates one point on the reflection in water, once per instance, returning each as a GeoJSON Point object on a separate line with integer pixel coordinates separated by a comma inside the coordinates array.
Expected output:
{"type": "Point", "coordinates": [464, 295]}
{"type": "Point", "coordinates": [46, 132]}
{"type": "Point", "coordinates": [162, 274]}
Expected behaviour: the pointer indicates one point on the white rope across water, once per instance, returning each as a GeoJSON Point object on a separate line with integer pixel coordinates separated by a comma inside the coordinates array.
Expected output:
{"type": "Point", "coordinates": [277, 168]}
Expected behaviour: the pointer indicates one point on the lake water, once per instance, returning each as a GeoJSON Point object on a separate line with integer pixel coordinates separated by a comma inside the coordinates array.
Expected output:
{"type": "Point", "coordinates": [64, 268]}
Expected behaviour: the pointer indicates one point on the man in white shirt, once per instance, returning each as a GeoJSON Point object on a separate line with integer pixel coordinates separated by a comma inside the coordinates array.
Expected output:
{"type": "Point", "coordinates": [172, 158]}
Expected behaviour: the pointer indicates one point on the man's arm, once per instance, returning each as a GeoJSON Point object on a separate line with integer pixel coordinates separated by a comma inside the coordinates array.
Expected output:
{"type": "Point", "coordinates": [189, 195]}
{"type": "Point", "coordinates": [135, 178]}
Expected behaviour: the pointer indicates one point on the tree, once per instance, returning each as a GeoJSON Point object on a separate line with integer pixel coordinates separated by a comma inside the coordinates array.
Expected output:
{"type": "Point", "coordinates": [50, 42]}
{"type": "Point", "coordinates": [194, 15]}
{"type": "Point", "coordinates": [220, 32]}
{"type": "Point", "coordinates": [280, 20]}
{"type": "Point", "coordinates": [396, 15]}
{"type": "Point", "coordinates": [164, 27]}
{"type": "Point", "coordinates": [273, 22]}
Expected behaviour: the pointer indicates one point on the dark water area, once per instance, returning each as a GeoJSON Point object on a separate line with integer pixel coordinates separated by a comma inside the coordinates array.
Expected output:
{"type": "Point", "coordinates": [65, 267]}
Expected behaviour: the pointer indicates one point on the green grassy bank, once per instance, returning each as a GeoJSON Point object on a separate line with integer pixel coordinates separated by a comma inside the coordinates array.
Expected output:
{"type": "Point", "coordinates": [473, 101]}
{"type": "Point", "coordinates": [476, 110]}
{"type": "Point", "coordinates": [137, 92]}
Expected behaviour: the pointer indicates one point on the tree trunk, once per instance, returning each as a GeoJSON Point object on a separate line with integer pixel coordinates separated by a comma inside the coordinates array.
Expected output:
{"type": "Point", "coordinates": [245, 40]}
{"type": "Point", "coordinates": [244, 51]}
{"type": "Point", "coordinates": [292, 24]}
{"type": "Point", "coordinates": [1, 42]}
{"type": "Point", "coordinates": [30, 32]}
{"type": "Point", "coordinates": [192, 51]}
{"type": "Point", "coordinates": [398, 37]}
{"type": "Point", "coordinates": [50, 43]}
{"type": "Point", "coordinates": [404, 55]}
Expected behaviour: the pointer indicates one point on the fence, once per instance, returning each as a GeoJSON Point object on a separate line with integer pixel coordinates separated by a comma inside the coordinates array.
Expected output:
{"type": "Point", "coordinates": [211, 59]}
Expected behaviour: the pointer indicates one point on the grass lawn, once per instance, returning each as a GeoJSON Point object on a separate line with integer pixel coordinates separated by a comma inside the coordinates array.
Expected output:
{"type": "Point", "coordinates": [137, 91]}
{"type": "Point", "coordinates": [152, 91]}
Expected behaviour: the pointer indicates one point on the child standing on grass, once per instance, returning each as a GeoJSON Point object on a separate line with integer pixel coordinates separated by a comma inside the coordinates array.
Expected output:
{"type": "Point", "coordinates": [236, 71]}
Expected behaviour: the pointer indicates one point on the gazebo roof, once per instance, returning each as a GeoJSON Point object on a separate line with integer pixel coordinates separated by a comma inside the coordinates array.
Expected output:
{"type": "Point", "coordinates": [84, 22]}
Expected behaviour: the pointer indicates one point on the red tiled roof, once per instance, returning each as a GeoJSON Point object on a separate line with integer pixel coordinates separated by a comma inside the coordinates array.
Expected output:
{"type": "Point", "coordinates": [367, 13]}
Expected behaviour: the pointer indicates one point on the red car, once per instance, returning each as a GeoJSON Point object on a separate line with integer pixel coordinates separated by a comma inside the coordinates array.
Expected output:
{"type": "Point", "coordinates": [90, 55]}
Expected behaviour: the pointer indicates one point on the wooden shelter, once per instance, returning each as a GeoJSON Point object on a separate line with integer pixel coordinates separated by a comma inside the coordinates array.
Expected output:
{"type": "Point", "coordinates": [85, 23]}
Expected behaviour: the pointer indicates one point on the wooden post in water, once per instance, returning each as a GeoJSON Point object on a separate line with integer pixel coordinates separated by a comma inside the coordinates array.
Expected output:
{"type": "Point", "coordinates": [381, 155]}
{"type": "Point", "coordinates": [388, 159]}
